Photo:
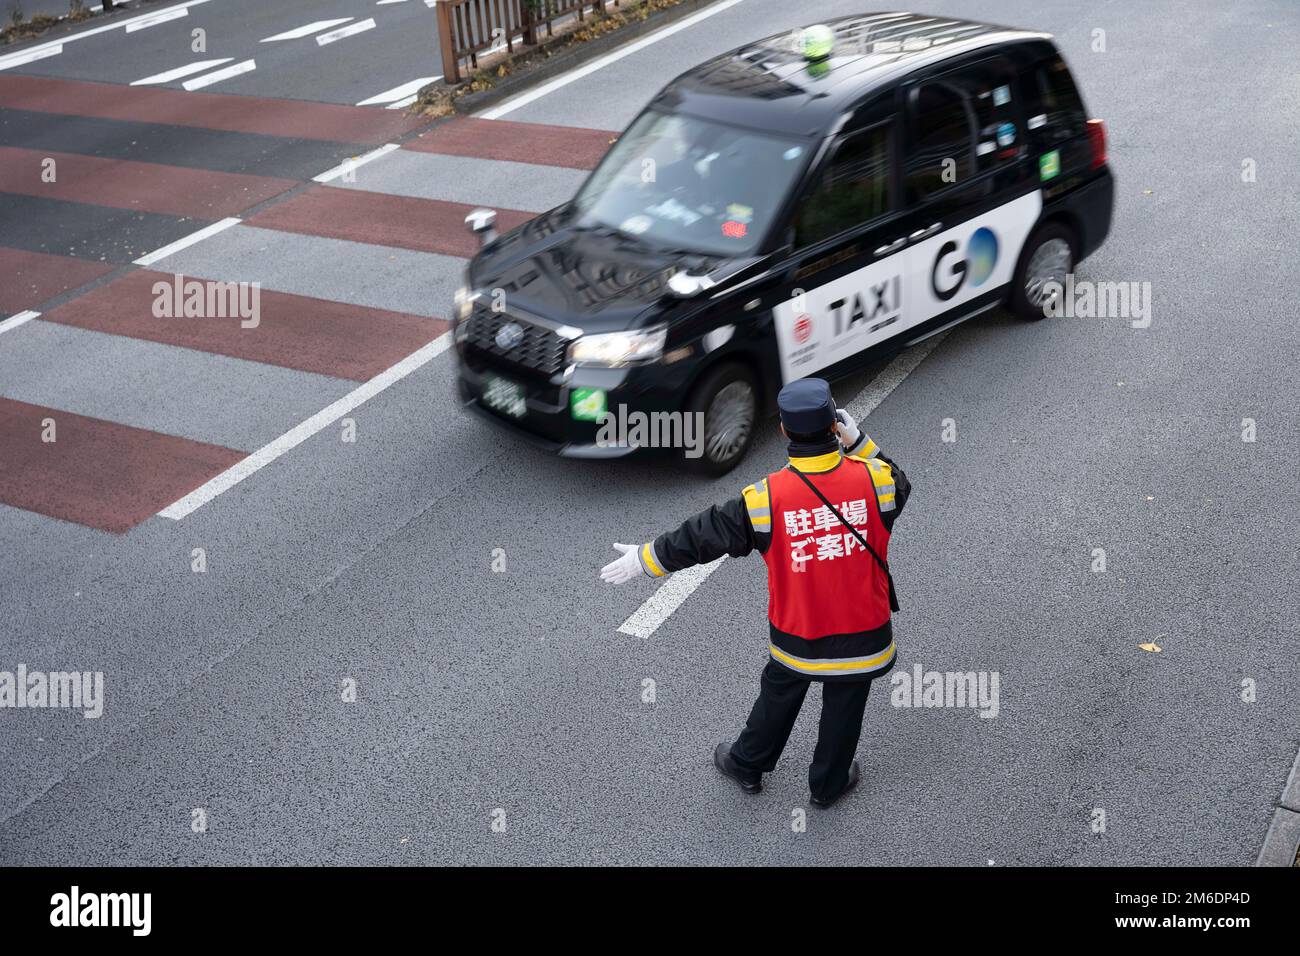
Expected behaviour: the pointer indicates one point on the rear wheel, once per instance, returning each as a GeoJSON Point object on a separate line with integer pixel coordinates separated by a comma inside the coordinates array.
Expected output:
{"type": "Point", "coordinates": [1047, 259]}
{"type": "Point", "coordinates": [727, 397]}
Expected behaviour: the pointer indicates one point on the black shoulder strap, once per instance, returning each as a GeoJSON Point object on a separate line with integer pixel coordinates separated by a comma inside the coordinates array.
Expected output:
{"type": "Point", "coordinates": [884, 565]}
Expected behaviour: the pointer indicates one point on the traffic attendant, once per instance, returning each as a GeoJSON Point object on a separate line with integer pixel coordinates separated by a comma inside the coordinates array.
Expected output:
{"type": "Point", "coordinates": [822, 525]}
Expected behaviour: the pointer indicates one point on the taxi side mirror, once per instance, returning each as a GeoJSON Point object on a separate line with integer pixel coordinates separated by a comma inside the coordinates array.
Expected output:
{"type": "Point", "coordinates": [483, 223]}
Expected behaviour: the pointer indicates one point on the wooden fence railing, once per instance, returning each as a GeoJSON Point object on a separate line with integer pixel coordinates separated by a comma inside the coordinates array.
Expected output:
{"type": "Point", "coordinates": [468, 29]}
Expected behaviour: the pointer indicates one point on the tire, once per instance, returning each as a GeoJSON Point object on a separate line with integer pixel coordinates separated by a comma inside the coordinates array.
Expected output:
{"type": "Point", "coordinates": [727, 396]}
{"type": "Point", "coordinates": [1051, 252]}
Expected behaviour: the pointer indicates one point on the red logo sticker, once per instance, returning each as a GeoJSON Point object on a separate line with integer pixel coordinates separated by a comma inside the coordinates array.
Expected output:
{"type": "Point", "coordinates": [803, 328]}
{"type": "Point", "coordinates": [734, 230]}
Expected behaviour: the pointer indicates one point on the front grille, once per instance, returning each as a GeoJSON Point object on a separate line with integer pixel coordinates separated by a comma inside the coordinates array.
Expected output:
{"type": "Point", "coordinates": [541, 349]}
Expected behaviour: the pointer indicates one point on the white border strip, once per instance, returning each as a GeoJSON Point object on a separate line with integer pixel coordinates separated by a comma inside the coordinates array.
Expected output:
{"type": "Point", "coordinates": [8, 61]}
{"type": "Point", "coordinates": [22, 318]}
{"type": "Point", "coordinates": [186, 241]}
{"type": "Point", "coordinates": [31, 56]}
{"type": "Point", "coordinates": [657, 608]}
{"type": "Point", "coordinates": [509, 106]}
{"type": "Point", "coordinates": [353, 163]}
{"type": "Point", "coordinates": [300, 433]}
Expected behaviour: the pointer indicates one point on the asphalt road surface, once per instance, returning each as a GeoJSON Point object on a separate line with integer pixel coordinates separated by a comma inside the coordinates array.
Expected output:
{"type": "Point", "coordinates": [485, 694]}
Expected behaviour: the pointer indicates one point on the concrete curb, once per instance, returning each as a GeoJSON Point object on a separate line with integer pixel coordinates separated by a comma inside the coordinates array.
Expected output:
{"type": "Point", "coordinates": [574, 55]}
{"type": "Point", "coordinates": [1282, 841]}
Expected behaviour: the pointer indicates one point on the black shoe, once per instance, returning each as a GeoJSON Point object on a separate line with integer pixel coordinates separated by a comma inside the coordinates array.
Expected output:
{"type": "Point", "coordinates": [855, 775]}
{"type": "Point", "coordinates": [751, 781]}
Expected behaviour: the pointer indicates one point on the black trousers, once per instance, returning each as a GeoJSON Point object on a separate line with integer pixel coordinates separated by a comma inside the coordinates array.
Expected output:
{"type": "Point", "coordinates": [780, 697]}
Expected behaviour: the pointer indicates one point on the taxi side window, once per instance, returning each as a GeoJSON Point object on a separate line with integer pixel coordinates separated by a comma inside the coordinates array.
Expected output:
{"type": "Point", "coordinates": [965, 123]}
{"type": "Point", "coordinates": [852, 190]}
{"type": "Point", "coordinates": [1059, 101]}
{"type": "Point", "coordinates": [943, 153]}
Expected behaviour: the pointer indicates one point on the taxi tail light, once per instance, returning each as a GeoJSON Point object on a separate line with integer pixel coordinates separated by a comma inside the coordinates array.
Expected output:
{"type": "Point", "coordinates": [1097, 140]}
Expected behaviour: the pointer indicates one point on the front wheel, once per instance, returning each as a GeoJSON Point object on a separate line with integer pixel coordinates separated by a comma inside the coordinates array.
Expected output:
{"type": "Point", "coordinates": [1048, 258]}
{"type": "Point", "coordinates": [726, 403]}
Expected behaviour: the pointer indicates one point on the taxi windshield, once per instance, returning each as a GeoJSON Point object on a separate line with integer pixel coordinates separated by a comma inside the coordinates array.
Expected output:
{"type": "Point", "coordinates": [689, 184]}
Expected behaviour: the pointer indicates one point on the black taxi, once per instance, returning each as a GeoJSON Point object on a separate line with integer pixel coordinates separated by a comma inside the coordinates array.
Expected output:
{"type": "Point", "coordinates": [801, 205]}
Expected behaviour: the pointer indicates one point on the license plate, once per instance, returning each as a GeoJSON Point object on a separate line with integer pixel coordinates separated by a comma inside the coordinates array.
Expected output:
{"type": "Point", "coordinates": [505, 396]}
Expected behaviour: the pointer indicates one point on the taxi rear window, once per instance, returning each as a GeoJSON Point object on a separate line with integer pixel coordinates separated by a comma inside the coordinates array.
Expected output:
{"type": "Point", "coordinates": [690, 184]}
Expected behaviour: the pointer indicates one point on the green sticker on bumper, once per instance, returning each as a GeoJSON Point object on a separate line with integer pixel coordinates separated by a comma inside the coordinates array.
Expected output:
{"type": "Point", "coordinates": [587, 404]}
{"type": "Point", "coordinates": [1049, 164]}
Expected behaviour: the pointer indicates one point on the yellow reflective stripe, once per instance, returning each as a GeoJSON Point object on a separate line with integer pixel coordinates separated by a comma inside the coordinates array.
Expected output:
{"type": "Point", "coordinates": [648, 559]}
{"type": "Point", "coordinates": [816, 463]}
{"type": "Point", "coordinates": [758, 504]}
{"type": "Point", "coordinates": [869, 663]}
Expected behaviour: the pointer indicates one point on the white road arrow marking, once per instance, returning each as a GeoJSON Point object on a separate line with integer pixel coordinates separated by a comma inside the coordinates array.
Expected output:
{"type": "Point", "coordinates": [207, 79]}
{"type": "Point", "coordinates": [399, 92]}
{"type": "Point", "coordinates": [347, 31]}
{"type": "Point", "coordinates": [188, 70]}
{"type": "Point", "coordinates": [306, 31]}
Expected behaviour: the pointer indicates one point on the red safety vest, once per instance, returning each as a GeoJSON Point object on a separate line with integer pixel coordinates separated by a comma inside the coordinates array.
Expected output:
{"type": "Point", "coordinates": [820, 580]}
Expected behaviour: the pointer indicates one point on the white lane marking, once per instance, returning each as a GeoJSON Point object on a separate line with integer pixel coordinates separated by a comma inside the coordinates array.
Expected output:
{"type": "Point", "coordinates": [225, 73]}
{"type": "Point", "coordinates": [385, 2]}
{"type": "Point", "coordinates": [7, 61]}
{"type": "Point", "coordinates": [300, 433]}
{"type": "Point", "coordinates": [347, 31]}
{"type": "Point", "coordinates": [310, 28]}
{"type": "Point", "coordinates": [153, 21]}
{"type": "Point", "coordinates": [670, 595]}
{"type": "Point", "coordinates": [22, 318]}
{"type": "Point", "coordinates": [168, 75]}
{"type": "Point", "coordinates": [36, 53]}
{"type": "Point", "coordinates": [657, 608]}
{"type": "Point", "coordinates": [399, 92]}
{"type": "Point", "coordinates": [187, 241]}
{"type": "Point", "coordinates": [353, 163]}
{"type": "Point", "coordinates": [403, 103]}
{"type": "Point", "coordinates": [509, 106]}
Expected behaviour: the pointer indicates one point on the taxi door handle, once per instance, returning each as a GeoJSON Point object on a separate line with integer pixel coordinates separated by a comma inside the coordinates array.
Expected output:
{"type": "Point", "coordinates": [891, 247]}
{"type": "Point", "coordinates": [926, 232]}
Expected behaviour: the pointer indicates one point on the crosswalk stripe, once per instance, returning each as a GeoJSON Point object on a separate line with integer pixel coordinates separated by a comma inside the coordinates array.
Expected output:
{"type": "Point", "coordinates": [347, 31]}
{"type": "Point", "coordinates": [127, 184]}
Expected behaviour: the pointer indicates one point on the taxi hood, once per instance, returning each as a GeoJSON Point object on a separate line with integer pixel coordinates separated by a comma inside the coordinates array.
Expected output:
{"type": "Point", "coordinates": [597, 279]}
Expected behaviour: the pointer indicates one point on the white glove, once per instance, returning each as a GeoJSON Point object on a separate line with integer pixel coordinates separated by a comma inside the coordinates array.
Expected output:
{"type": "Point", "coordinates": [623, 568]}
{"type": "Point", "coordinates": [849, 431]}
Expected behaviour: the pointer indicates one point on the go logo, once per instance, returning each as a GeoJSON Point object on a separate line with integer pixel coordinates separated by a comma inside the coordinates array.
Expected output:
{"type": "Point", "coordinates": [977, 265]}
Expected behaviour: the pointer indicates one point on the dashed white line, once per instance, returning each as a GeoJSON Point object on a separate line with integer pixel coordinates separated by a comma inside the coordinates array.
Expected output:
{"type": "Point", "coordinates": [187, 241]}
{"type": "Point", "coordinates": [207, 79]}
{"type": "Point", "coordinates": [30, 56]}
{"type": "Point", "coordinates": [646, 619]}
{"type": "Point", "coordinates": [399, 92]}
{"type": "Point", "coordinates": [307, 30]}
{"type": "Point", "coordinates": [153, 21]}
{"type": "Point", "coordinates": [350, 30]}
{"type": "Point", "coordinates": [25, 56]}
{"type": "Point", "coordinates": [22, 318]}
{"type": "Point", "coordinates": [669, 596]}
{"type": "Point", "coordinates": [180, 71]}
{"type": "Point", "coordinates": [300, 433]}
{"type": "Point", "coordinates": [353, 163]}
{"type": "Point", "coordinates": [509, 106]}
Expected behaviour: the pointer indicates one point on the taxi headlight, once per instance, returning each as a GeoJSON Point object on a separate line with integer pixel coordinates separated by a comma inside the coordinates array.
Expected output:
{"type": "Point", "coordinates": [614, 349]}
{"type": "Point", "coordinates": [463, 302]}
